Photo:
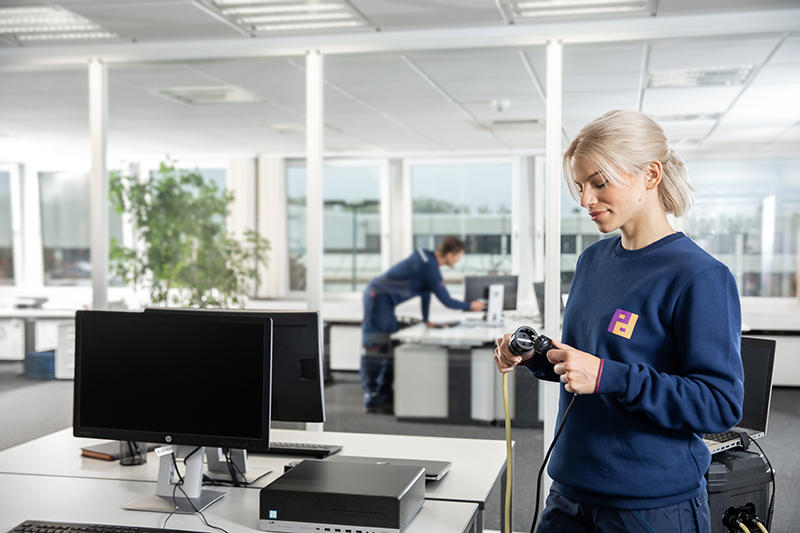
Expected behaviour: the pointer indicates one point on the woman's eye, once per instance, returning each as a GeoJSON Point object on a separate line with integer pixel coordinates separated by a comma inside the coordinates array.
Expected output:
{"type": "Point", "coordinates": [600, 185]}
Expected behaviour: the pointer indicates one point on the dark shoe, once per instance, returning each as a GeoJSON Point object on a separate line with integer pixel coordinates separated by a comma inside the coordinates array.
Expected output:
{"type": "Point", "coordinates": [381, 409]}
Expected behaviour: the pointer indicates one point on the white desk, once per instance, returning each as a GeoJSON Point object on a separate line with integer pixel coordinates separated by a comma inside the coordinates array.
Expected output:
{"type": "Point", "coordinates": [99, 501]}
{"type": "Point", "coordinates": [449, 374]}
{"type": "Point", "coordinates": [477, 464]}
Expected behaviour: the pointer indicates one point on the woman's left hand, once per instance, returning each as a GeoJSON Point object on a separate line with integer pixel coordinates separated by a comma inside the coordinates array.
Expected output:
{"type": "Point", "coordinates": [578, 370]}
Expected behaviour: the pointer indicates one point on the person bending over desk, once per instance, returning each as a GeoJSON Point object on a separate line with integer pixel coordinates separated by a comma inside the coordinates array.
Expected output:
{"type": "Point", "coordinates": [417, 275]}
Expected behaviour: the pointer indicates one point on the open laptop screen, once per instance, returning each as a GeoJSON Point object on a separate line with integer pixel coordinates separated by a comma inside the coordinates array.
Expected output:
{"type": "Point", "coordinates": [758, 357]}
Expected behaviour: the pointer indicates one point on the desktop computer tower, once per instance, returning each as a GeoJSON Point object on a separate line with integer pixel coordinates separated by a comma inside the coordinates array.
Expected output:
{"type": "Point", "coordinates": [735, 478]}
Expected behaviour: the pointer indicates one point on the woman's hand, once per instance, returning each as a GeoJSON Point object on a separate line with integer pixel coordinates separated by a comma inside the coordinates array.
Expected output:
{"type": "Point", "coordinates": [504, 359]}
{"type": "Point", "coordinates": [578, 370]}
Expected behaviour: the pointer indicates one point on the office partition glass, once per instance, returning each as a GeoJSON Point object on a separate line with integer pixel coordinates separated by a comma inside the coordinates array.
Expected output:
{"type": "Point", "coordinates": [351, 225]}
{"type": "Point", "coordinates": [6, 233]}
{"type": "Point", "coordinates": [747, 215]}
{"type": "Point", "coordinates": [66, 235]}
{"type": "Point", "coordinates": [470, 200]}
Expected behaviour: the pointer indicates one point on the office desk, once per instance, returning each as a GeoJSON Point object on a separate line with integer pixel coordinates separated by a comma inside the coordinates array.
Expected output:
{"type": "Point", "coordinates": [29, 318]}
{"type": "Point", "coordinates": [448, 374]}
{"type": "Point", "coordinates": [477, 464]}
{"type": "Point", "coordinates": [99, 501]}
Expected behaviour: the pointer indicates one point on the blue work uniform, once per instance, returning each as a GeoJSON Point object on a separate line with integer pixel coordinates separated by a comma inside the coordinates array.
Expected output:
{"type": "Point", "coordinates": [666, 323]}
{"type": "Point", "coordinates": [417, 275]}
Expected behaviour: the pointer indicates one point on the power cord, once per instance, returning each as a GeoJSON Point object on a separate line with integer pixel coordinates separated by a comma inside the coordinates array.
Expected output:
{"type": "Point", "coordinates": [179, 485]}
{"type": "Point", "coordinates": [523, 341]}
{"type": "Point", "coordinates": [771, 510]}
{"type": "Point", "coordinates": [547, 458]}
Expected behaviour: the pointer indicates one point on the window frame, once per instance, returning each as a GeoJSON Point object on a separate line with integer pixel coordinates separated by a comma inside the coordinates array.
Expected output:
{"type": "Point", "coordinates": [384, 206]}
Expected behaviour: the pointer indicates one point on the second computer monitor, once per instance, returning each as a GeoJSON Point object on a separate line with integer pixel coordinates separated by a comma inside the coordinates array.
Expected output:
{"type": "Point", "coordinates": [297, 387]}
{"type": "Point", "coordinates": [477, 287]}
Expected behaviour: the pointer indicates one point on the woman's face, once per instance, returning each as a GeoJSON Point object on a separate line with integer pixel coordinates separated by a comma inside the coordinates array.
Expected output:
{"type": "Point", "coordinates": [609, 205]}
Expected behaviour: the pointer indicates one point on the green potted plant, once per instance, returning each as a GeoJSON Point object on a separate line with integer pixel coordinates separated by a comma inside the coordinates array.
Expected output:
{"type": "Point", "coordinates": [186, 257]}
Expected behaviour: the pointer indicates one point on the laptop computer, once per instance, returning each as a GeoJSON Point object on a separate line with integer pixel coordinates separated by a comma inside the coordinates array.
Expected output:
{"type": "Point", "coordinates": [758, 358]}
{"type": "Point", "coordinates": [434, 470]}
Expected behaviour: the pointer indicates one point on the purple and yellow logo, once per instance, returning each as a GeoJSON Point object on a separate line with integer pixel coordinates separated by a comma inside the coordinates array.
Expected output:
{"type": "Point", "coordinates": [623, 323]}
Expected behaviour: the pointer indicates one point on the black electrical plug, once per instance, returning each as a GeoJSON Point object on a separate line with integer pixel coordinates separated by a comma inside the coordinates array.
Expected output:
{"type": "Point", "coordinates": [526, 339]}
{"type": "Point", "coordinates": [751, 519]}
{"type": "Point", "coordinates": [733, 516]}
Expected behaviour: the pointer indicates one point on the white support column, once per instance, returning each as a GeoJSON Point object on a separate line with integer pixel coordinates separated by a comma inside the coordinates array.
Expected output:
{"type": "Point", "coordinates": [552, 277]}
{"type": "Point", "coordinates": [397, 214]}
{"type": "Point", "coordinates": [272, 219]}
{"type": "Point", "coordinates": [523, 232]}
{"type": "Point", "coordinates": [98, 130]}
{"type": "Point", "coordinates": [314, 146]}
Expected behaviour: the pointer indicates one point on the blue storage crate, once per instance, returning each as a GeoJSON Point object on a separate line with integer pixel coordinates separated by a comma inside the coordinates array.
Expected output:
{"type": "Point", "coordinates": [40, 365]}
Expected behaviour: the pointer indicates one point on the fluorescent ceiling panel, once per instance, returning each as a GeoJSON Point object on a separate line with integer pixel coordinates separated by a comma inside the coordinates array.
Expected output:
{"type": "Point", "coordinates": [23, 25]}
{"type": "Point", "coordinates": [534, 10]}
{"type": "Point", "coordinates": [699, 77]}
{"type": "Point", "coordinates": [290, 16]}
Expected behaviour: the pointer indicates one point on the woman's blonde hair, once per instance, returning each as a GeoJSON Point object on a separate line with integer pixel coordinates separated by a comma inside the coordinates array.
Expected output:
{"type": "Point", "coordinates": [625, 142]}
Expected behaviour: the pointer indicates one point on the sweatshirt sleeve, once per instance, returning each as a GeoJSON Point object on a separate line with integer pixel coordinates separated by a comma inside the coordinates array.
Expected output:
{"type": "Point", "coordinates": [437, 286]}
{"type": "Point", "coordinates": [541, 368]}
{"type": "Point", "coordinates": [706, 394]}
{"type": "Point", "coordinates": [425, 298]}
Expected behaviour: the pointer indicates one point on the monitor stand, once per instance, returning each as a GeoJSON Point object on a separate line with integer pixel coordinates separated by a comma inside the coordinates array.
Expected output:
{"type": "Point", "coordinates": [494, 307]}
{"type": "Point", "coordinates": [218, 466]}
{"type": "Point", "coordinates": [162, 501]}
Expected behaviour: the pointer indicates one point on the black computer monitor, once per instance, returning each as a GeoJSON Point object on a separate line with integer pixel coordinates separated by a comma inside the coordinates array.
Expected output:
{"type": "Point", "coordinates": [297, 384]}
{"type": "Point", "coordinates": [477, 287]}
{"type": "Point", "coordinates": [200, 380]}
{"type": "Point", "coordinates": [538, 292]}
{"type": "Point", "coordinates": [188, 381]}
{"type": "Point", "coordinates": [758, 359]}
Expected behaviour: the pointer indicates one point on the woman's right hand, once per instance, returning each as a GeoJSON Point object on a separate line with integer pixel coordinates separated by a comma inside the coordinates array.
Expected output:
{"type": "Point", "coordinates": [504, 359]}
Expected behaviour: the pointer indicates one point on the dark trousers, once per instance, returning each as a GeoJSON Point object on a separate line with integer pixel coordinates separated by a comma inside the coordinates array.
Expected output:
{"type": "Point", "coordinates": [562, 514]}
{"type": "Point", "coordinates": [377, 368]}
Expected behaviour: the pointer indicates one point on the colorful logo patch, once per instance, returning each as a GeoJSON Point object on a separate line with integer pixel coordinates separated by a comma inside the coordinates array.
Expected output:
{"type": "Point", "coordinates": [623, 323]}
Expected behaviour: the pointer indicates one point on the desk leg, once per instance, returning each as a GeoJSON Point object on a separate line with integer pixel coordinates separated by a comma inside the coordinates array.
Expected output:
{"type": "Point", "coordinates": [327, 376]}
{"type": "Point", "coordinates": [30, 336]}
{"type": "Point", "coordinates": [459, 383]}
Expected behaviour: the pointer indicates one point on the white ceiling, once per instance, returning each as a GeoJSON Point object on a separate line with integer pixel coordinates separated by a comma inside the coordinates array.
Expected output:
{"type": "Point", "coordinates": [417, 101]}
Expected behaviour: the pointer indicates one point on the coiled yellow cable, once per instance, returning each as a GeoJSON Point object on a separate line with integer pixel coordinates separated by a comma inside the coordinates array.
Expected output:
{"type": "Point", "coordinates": [761, 527]}
{"type": "Point", "coordinates": [509, 464]}
{"type": "Point", "coordinates": [744, 528]}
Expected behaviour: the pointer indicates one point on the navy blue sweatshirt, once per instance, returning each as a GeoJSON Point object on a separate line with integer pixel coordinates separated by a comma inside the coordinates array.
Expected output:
{"type": "Point", "coordinates": [416, 275]}
{"type": "Point", "coordinates": [665, 319]}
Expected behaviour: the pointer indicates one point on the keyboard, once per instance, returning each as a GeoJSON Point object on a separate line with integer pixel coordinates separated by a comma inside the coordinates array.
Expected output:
{"type": "Point", "coordinates": [36, 526]}
{"type": "Point", "coordinates": [722, 437]}
{"type": "Point", "coordinates": [305, 449]}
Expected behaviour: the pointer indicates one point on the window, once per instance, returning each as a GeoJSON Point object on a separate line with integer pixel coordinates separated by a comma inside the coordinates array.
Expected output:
{"type": "Point", "coordinates": [66, 238]}
{"type": "Point", "coordinates": [471, 201]}
{"type": "Point", "coordinates": [747, 215]}
{"type": "Point", "coordinates": [351, 225]}
{"type": "Point", "coordinates": [6, 233]}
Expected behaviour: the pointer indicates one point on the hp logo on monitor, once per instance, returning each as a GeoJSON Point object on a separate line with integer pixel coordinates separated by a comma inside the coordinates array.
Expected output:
{"type": "Point", "coordinates": [168, 438]}
{"type": "Point", "coordinates": [273, 514]}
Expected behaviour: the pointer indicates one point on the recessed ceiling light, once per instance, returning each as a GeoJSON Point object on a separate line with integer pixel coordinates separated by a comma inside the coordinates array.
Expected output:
{"type": "Point", "coordinates": [216, 94]}
{"type": "Point", "coordinates": [699, 77]}
{"type": "Point", "coordinates": [295, 18]}
{"type": "Point", "coordinates": [293, 8]}
{"type": "Point", "coordinates": [309, 26]}
{"type": "Point", "coordinates": [67, 36]}
{"type": "Point", "coordinates": [528, 9]}
{"type": "Point", "coordinates": [46, 23]}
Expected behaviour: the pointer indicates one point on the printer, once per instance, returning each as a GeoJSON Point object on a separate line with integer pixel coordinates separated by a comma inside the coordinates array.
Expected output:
{"type": "Point", "coordinates": [338, 497]}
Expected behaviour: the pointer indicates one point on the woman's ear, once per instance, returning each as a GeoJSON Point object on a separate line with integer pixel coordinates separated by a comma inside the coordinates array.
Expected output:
{"type": "Point", "coordinates": [653, 174]}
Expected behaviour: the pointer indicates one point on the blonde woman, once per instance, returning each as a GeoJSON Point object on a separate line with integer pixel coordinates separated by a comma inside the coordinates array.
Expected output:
{"type": "Point", "coordinates": [651, 343]}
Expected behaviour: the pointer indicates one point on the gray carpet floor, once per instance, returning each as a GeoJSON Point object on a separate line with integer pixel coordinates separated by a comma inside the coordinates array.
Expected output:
{"type": "Point", "coordinates": [30, 409]}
